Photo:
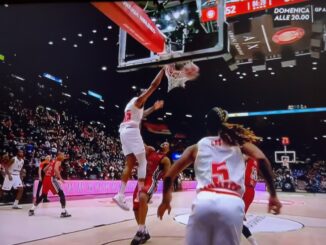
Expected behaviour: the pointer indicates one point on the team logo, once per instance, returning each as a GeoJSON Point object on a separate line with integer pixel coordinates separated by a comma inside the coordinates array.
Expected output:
{"type": "Point", "coordinates": [210, 14]}
{"type": "Point", "coordinates": [288, 35]}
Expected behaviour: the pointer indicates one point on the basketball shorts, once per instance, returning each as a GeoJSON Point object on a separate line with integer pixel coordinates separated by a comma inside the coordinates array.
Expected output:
{"type": "Point", "coordinates": [14, 183]}
{"type": "Point", "coordinates": [50, 184]}
{"type": "Point", "coordinates": [248, 197]}
{"type": "Point", "coordinates": [215, 219]}
{"type": "Point", "coordinates": [131, 141]}
{"type": "Point", "coordinates": [150, 186]}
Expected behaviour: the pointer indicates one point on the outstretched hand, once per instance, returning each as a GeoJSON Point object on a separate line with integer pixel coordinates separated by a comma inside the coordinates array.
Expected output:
{"type": "Point", "coordinates": [162, 208]}
{"type": "Point", "coordinates": [274, 205]}
{"type": "Point", "coordinates": [158, 104]}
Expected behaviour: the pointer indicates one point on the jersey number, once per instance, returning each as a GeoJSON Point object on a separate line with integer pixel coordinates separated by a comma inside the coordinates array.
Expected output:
{"type": "Point", "coordinates": [220, 173]}
{"type": "Point", "coordinates": [127, 116]}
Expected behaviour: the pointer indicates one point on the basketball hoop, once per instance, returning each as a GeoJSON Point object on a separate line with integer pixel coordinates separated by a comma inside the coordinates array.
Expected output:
{"type": "Point", "coordinates": [179, 73]}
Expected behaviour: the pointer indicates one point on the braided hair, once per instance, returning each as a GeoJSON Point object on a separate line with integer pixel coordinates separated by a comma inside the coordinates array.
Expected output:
{"type": "Point", "coordinates": [232, 134]}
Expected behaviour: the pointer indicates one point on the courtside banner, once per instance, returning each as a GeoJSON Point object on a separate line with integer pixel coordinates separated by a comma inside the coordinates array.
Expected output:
{"type": "Point", "coordinates": [134, 20]}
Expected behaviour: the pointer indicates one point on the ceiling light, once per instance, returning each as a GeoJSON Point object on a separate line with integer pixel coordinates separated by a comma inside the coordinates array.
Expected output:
{"type": "Point", "coordinates": [314, 63]}
{"type": "Point", "coordinates": [160, 118]}
{"type": "Point", "coordinates": [269, 138]}
{"type": "Point", "coordinates": [241, 77]}
{"type": "Point", "coordinates": [220, 75]}
{"type": "Point", "coordinates": [167, 17]}
{"type": "Point", "coordinates": [314, 68]}
{"type": "Point", "coordinates": [244, 74]}
{"type": "Point", "coordinates": [269, 68]}
{"type": "Point", "coordinates": [277, 139]}
{"type": "Point", "coordinates": [188, 115]}
{"type": "Point", "coordinates": [64, 39]}
{"type": "Point", "coordinates": [117, 106]}
{"type": "Point", "coordinates": [101, 107]}
{"type": "Point", "coordinates": [238, 73]}
{"type": "Point", "coordinates": [80, 35]}
{"type": "Point", "coordinates": [315, 138]}
{"type": "Point", "coordinates": [134, 87]}
{"type": "Point", "coordinates": [91, 42]}
{"type": "Point", "coordinates": [256, 75]}
{"type": "Point", "coordinates": [84, 93]}
{"type": "Point", "coordinates": [272, 73]}
{"type": "Point", "coordinates": [105, 38]}
{"type": "Point", "coordinates": [104, 68]}
{"type": "Point", "coordinates": [75, 45]}
{"type": "Point", "coordinates": [6, 5]}
{"type": "Point", "coordinates": [102, 100]}
{"type": "Point", "coordinates": [109, 27]}
{"type": "Point", "coordinates": [324, 136]}
{"type": "Point", "coordinates": [224, 80]}
{"type": "Point", "coordinates": [94, 31]}
{"type": "Point", "coordinates": [265, 118]}
{"type": "Point", "coordinates": [67, 95]}
{"type": "Point", "coordinates": [168, 113]}
{"type": "Point", "coordinates": [51, 43]}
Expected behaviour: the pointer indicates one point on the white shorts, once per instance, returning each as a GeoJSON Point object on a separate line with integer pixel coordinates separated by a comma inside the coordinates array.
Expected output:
{"type": "Point", "coordinates": [216, 219]}
{"type": "Point", "coordinates": [131, 141]}
{"type": "Point", "coordinates": [14, 183]}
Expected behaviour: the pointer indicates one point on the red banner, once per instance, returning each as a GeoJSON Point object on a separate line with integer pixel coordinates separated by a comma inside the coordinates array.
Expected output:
{"type": "Point", "coordinates": [134, 20]}
{"type": "Point", "coordinates": [245, 7]}
{"type": "Point", "coordinates": [285, 140]}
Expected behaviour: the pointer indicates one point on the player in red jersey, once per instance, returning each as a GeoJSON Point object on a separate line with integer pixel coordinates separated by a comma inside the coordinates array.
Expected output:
{"type": "Point", "coordinates": [157, 165]}
{"type": "Point", "coordinates": [50, 183]}
{"type": "Point", "coordinates": [251, 177]}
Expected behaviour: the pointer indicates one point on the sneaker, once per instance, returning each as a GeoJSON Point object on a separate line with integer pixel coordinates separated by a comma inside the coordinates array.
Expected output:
{"type": "Point", "coordinates": [17, 207]}
{"type": "Point", "coordinates": [121, 201]}
{"type": "Point", "coordinates": [147, 237]}
{"type": "Point", "coordinates": [65, 215]}
{"type": "Point", "coordinates": [139, 238]}
{"type": "Point", "coordinates": [31, 212]}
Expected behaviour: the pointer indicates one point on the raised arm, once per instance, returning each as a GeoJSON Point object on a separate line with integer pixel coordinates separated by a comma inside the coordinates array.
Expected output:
{"type": "Point", "coordinates": [156, 106]}
{"type": "Point", "coordinates": [188, 157]}
{"type": "Point", "coordinates": [139, 103]}
{"type": "Point", "coordinates": [265, 168]}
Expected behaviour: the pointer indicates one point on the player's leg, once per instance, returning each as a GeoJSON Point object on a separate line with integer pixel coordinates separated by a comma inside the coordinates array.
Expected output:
{"type": "Point", "coordinates": [56, 189]}
{"type": "Point", "coordinates": [39, 187]}
{"type": "Point", "coordinates": [230, 212]}
{"type": "Point", "coordinates": [119, 198]}
{"type": "Point", "coordinates": [18, 184]}
{"type": "Point", "coordinates": [248, 198]}
{"type": "Point", "coordinates": [46, 185]}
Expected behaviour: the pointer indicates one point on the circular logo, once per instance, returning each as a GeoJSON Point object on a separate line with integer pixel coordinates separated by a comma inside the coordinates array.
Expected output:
{"type": "Point", "coordinates": [210, 14]}
{"type": "Point", "coordinates": [288, 35]}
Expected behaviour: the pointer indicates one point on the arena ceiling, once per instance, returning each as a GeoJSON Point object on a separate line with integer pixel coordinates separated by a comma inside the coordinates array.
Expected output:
{"type": "Point", "coordinates": [75, 42]}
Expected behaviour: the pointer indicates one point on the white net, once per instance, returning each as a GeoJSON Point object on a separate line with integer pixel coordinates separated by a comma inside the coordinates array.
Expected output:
{"type": "Point", "coordinates": [179, 77]}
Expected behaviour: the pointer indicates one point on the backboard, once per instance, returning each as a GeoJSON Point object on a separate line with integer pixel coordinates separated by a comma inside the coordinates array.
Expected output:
{"type": "Point", "coordinates": [285, 156]}
{"type": "Point", "coordinates": [194, 30]}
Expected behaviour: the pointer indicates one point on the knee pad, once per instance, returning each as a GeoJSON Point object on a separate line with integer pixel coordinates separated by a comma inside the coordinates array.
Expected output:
{"type": "Point", "coordinates": [142, 164]}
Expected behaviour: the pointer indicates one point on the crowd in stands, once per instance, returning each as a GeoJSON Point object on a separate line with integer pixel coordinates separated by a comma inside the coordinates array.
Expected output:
{"type": "Point", "coordinates": [93, 152]}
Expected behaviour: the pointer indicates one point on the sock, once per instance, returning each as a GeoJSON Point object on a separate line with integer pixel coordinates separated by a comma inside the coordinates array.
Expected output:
{"type": "Point", "coordinates": [252, 240]}
{"type": "Point", "coordinates": [33, 207]}
{"type": "Point", "coordinates": [141, 228]}
{"type": "Point", "coordinates": [64, 210]}
{"type": "Point", "coordinates": [16, 202]}
{"type": "Point", "coordinates": [122, 188]}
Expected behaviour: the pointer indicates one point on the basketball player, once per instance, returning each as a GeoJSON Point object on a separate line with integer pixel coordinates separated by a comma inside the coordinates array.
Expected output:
{"type": "Point", "coordinates": [157, 165]}
{"type": "Point", "coordinates": [131, 139]}
{"type": "Point", "coordinates": [251, 177]}
{"type": "Point", "coordinates": [12, 179]}
{"type": "Point", "coordinates": [3, 163]}
{"type": "Point", "coordinates": [218, 210]}
{"type": "Point", "coordinates": [41, 175]}
{"type": "Point", "coordinates": [50, 182]}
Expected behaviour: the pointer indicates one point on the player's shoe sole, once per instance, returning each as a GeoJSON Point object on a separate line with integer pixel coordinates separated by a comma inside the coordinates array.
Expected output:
{"type": "Point", "coordinates": [31, 213]}
{"type": "Point", "coordinates": [17, 207]}
{"type": "Point", "coordinates": [65, 215]}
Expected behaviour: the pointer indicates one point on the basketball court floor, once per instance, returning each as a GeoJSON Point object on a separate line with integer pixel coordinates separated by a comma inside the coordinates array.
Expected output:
{"type": "Point", "coordinates": [99, 221]}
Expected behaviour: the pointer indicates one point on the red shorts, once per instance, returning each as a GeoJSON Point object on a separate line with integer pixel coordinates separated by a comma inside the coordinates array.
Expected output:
{"type": "Point", "coordinates": [50, 184]}
{"type": "Point", "coordinates": [149, 188]}
{"type": "Point", "coordinates": [248, 197]}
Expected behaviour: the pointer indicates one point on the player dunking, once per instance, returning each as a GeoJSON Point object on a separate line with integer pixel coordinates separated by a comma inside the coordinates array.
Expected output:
{"type": "Point", "coordinates": [131, 140]}
{"type": "Point", "coordinates": [50, 182]}
{"type": "Point", "coordinates": [157, 165]}
{"type": "Point", "coordinates": [251, 177]}
{"type": "Point", "coordinates": [13, 169]}
{"type": "Point", "coordinates": [218, 210]}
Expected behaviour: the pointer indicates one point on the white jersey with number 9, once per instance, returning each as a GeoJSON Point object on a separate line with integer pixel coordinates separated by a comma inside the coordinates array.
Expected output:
{"type": "Point", "coordinates": [133, 115]}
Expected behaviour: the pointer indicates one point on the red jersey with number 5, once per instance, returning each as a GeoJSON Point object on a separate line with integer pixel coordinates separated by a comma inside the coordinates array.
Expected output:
{"type": "Point", "coordinates": [251, 173]}
{"type": "Point", "coordinates": [50, 171]}
{"type": "Point", "coordinates": [219, 167]}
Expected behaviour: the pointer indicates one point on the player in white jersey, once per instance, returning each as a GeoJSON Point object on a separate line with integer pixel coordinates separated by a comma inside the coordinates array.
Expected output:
{"type": "Point", "coordinates": [12, 178]}
{"type": "Point", "coordinates": [218, 210]}
{"type": "Point", "coordinates": [132, 141]}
